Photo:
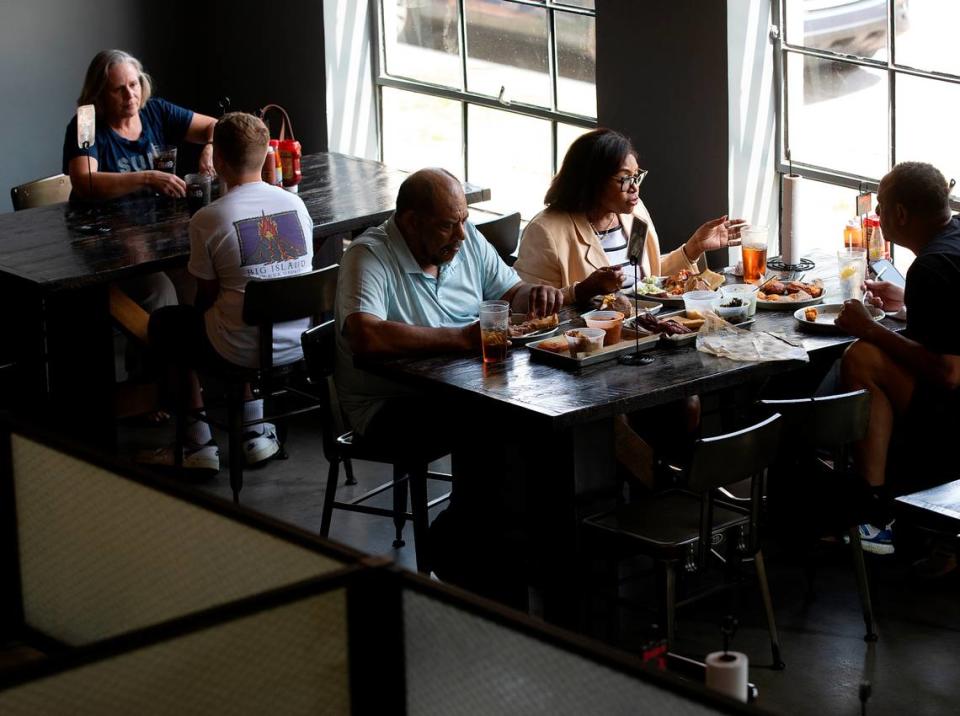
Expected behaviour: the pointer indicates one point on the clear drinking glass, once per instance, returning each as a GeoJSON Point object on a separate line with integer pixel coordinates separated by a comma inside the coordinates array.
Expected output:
{"type": "Point", "coordinates": [852, 265]}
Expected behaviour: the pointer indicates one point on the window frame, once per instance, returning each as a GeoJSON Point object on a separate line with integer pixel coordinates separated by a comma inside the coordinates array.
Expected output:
{"type": "Point", "coordinates": [782, 49]}
{"type": "Point", "coordinates": [466, 97]}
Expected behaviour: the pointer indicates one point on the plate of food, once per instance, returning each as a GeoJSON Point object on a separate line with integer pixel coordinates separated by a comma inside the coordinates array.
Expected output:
{"type": "Point", "coordinates": [627, 305]}
{"type": "Point", "coordinates": [524, 329]}
{"type": "Point", "coordinates": [822, 319]}
{"type": "Point", "coordinates": [576, 348]}
{"type": "Point", "coordinates": [779, 295]}
{"type": "Point", "coordinates": [669, 290]}
{"type": "Point", "coordinates": [674, 329]}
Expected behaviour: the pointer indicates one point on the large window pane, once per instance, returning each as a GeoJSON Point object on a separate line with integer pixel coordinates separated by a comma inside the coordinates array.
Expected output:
{"type": "Point", "coordinates": [589, 4]}
{"type": "Point", "coordinates": [421, 41]}
{"type": "Point", "coordinates": [927, 112]}
{"type": "Point", "coordinates": [854, 27]}
{"type": "Point", "coordinates": [421, 131]}
{"type": "Point", "coordinates": [927, 35]}
{"type": "Point", "coordinates": [507, 48]}
{"type": "Point", "coordinates": [576, 64]}
{"type": "Point", "coordinates": [837, 115]}
{"type": "Point", "coordinates": [566, 133]}
{"type": "Point", "coordinates": [511, 154]}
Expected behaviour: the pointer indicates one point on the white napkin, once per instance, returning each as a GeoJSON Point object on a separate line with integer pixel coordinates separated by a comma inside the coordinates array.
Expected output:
{"type": "Point", "coordinates": [719, 338]}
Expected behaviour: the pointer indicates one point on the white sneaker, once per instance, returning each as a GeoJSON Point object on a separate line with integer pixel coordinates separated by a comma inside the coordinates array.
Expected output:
{"type": "Point", "coordinates": [205, 457]}
{"type": "Point", "coordinates": [258, 448]}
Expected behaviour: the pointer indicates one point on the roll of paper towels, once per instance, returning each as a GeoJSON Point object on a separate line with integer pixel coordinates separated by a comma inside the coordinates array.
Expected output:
{"type": "Point", "coordinates": [727, 673]}
{"type": "Point", "coordinates": [790, 240]}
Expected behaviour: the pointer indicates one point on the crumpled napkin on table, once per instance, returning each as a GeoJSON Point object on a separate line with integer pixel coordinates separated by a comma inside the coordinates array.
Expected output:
{"type": "Point", "coordinates": [719, 338]}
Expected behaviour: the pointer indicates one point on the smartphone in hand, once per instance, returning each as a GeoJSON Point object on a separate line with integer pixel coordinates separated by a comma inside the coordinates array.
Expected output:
{"type": "Point", "coordinates": [884, 270]}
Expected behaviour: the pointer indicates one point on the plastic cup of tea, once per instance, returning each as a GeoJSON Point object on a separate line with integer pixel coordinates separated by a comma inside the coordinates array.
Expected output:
{"type": "Point", "coordinates": [494, 330]}
{"type": "Point", "coordinates": [753, 251]}
{"type": "Point", "coordinates": [852, 267]}
{"type": "Point", "coordinates": [165, 159]}
{"type": "Point", "coordinates": [198, 191]}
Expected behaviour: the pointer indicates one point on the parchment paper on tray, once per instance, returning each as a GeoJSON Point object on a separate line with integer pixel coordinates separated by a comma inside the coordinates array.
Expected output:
{"type": "Point", "coordinates": [719, 338]}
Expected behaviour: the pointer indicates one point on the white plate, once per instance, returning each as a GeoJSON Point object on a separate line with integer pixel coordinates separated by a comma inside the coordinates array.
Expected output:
{"type": "Point", "coordinates": [788, 305]}
{"type": "Point", "coordinates": [826, 317]}
{"type": "Point", "coordinates": [535, 336]}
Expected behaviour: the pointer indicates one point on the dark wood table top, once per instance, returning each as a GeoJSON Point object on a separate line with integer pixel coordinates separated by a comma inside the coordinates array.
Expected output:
{"type": "Point", "coordinates": [570, 397]}
{"type": "Point", "coordinates": [67, 246]}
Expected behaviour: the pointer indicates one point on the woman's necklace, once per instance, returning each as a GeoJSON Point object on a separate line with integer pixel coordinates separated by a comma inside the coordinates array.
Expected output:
{"type": "Point", "coordinates": [610, 225]}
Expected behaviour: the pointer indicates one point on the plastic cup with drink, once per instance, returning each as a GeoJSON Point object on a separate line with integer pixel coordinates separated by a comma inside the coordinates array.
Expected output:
{"type": "Point", "coordinates": [494, 330]}
{"type": "Point", "coordinates": [198, 191]}
{"type": "Point", "coordinates": [165, 159]}
{"type": "Point", "coordinates": [852, 265]}
{"type": "Point", "coordinates": [754, 252]}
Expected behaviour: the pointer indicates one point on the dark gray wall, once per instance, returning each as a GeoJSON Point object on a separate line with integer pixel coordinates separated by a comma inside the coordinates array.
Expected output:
{"type": "Point", "coordinates": [662, 81]}
{"type": "Point", "coordinates": [196, 52]}
{"type": "Point", "coordinates": [45, 46]}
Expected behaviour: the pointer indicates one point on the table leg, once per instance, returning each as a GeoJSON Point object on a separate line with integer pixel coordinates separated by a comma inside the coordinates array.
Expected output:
{"type": "Point", "coordinates": [577, 479]}
{"type": "Point", "coordinates": [80, 367]}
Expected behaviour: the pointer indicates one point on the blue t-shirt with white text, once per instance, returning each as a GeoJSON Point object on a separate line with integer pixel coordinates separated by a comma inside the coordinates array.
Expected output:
{"type": "Point", "coordinates": [163, 123]}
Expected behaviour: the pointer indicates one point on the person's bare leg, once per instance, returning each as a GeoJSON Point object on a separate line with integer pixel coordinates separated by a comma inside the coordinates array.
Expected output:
{"type": "Point", "coordinates": [632, 451]}
{"type": "Point", "coordinates": [891, 389]}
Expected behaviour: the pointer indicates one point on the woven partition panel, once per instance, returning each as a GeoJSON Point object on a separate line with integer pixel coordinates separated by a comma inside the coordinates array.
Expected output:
{"type": "Point", "coordinates": [458, 663]}
{"type": "Point", "coordinates": [289, 660]}
{"type": "Point", "coordinates": [101, 555]}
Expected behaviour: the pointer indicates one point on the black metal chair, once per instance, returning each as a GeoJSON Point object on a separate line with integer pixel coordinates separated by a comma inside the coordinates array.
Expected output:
{"type": "Point", "coordinates": [342, 445]}
{"type": "Point", "coordinates": [678, 527]}
{"type": "Point", "coordinates": [830, 424]}
{"type": "Point", "coordinates": [267, 302]}
{"type": "Point", "coordinates": [504, 234]}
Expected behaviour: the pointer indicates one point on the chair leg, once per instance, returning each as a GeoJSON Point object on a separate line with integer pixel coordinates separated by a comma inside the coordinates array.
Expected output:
{"type": "Point", "coordinates": [421, 517]}
{"type": "Point", "coordinates": [348, 468]}
{"type": "Point", "coordinates": [399, 505]}
{"type": "Point", "coordinates": [778, 664]}
{"type": "Point", "coordinates": [329, 496]}
{"type": "Point", "coordinates": [235, 427]}
{"type": "Point", "coordinates": [668, 607]}
{"type": "Point", "coordinates": [863, 586]}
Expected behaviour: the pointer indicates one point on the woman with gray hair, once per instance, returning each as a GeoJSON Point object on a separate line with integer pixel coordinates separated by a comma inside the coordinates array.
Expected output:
{"type": "Point", "coordinates": [131, 126]}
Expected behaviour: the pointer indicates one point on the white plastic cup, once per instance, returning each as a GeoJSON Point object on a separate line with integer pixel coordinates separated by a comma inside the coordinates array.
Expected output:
{"type": "Point", "coordinates": [743, 291]}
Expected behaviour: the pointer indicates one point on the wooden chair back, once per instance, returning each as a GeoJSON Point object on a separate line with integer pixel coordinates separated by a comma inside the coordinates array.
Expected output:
{"type": "Point", "coordinates": [41, 192]}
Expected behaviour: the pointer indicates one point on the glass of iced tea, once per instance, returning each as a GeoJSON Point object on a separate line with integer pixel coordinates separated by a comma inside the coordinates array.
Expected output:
{"type": "Point", "coordinates": [494, 330]}
{"type": "Point", "coordinates": [754, 252]}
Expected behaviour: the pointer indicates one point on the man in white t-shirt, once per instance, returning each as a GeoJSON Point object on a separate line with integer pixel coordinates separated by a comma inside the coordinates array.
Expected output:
{"type": "Point", "coordinates": [256, 231]}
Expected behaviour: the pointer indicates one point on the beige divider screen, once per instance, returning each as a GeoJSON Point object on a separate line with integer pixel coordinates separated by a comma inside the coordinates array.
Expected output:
{"type": "Point", "coordinates": [101, 555]}
{"type": "Point", "coordinates": [459, 663]}
{"type": "Point", "coordinates": [291, 659]}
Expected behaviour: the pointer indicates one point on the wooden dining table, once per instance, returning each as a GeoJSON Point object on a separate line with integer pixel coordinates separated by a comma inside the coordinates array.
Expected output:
{"type": "Point", "coordinates": [554, 451]}
{"type": "Point", "coordinates": [57, 263]}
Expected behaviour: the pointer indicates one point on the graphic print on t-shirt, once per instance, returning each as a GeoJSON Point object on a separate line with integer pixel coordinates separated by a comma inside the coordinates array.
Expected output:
{"type": "Point", "coordinates": [271, 239]}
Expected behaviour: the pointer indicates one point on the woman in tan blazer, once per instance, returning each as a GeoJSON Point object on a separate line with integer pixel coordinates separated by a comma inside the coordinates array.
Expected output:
{"type": "Point", "coordinates": [595, 192]}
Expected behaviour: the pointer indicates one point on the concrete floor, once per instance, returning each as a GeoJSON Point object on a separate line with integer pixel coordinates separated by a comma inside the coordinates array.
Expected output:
{"type": "Point", "coordinates": [914, 668]}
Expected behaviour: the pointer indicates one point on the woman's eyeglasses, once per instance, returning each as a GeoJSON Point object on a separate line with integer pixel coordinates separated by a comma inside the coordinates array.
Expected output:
{"type": "Point", "coordinates": [631, 180]}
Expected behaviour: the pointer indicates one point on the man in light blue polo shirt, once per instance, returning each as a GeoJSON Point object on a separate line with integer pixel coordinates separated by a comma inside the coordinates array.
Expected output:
{"type": "Point", "coordinates": [413, 286]}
